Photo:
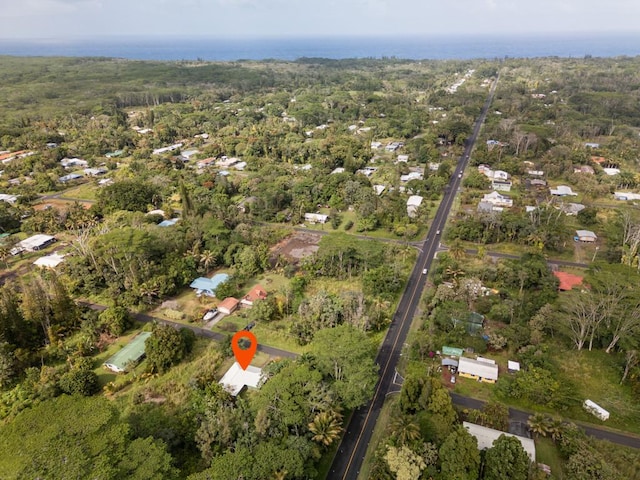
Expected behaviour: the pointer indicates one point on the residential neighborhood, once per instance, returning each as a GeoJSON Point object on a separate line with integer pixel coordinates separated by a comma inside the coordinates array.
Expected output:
{"type": "Point", "coordinates": [437, 260]}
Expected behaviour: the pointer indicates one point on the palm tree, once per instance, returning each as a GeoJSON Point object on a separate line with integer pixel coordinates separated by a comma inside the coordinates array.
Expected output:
{"type": "Point", "coordinates": [555, 428]}
{"type": "Point", "coordinates": [539, 424]}
{"type": "Point", "coordinates": [405, 429]}
{"type": "Point", "coordinates": [326, 427]}
{"type": "Point", "coordinates": [207, 259]}
{"type": "Point", "coordinates": [456, 250]}
{"type": "Point", "coordinates": [280, 475]}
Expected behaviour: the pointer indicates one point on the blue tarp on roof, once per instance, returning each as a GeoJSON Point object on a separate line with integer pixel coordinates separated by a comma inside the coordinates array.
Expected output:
{"type": "Point", "coordinates": [209, 284]}
{"type": "Point", "coordinates": [168, 223]}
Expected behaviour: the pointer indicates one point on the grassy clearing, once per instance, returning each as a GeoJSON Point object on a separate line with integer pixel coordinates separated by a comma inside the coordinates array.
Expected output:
{"type": "Point", "coordinates": [87, 191]}
{"type": "Point", "coordinates": [596, 376]}
{"type": "Point", "coordinates": [379, 434]}
{"type": "Point", "coordinates": [547, 453]}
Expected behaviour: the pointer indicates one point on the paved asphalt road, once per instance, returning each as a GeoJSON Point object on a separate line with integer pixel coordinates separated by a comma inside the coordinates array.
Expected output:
{"type": "Point", "coordinates": [522, 417]}
{"type": "Point", "coordinates": [353, 447]}
{"type": "Point", "coordinates": [201, 332]}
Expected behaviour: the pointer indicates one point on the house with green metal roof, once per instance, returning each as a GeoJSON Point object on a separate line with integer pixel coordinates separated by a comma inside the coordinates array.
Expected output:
{"type": "Point", "coordinates": [131, 353]}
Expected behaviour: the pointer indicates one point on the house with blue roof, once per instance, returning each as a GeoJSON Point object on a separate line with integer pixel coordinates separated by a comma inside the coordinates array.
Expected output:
{"type": "Point", "coordinates": [207, 286]}
{"type": "Point", "coordinates": [70, 177]}
{"type": "Point", "coordinates": [168, 223]}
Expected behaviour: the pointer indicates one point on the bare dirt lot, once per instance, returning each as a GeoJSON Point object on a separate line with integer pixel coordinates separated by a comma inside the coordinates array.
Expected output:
{"type": "Point", "coordinates": [58, 203]}
{"type": "Point", "coordinates": [297, 246]}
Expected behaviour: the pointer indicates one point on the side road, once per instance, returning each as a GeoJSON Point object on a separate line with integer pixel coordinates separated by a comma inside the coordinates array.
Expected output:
{"type": "Point", "coordinates": [201, 332]}
{"type": "Point", "coordinates": [520, 416]}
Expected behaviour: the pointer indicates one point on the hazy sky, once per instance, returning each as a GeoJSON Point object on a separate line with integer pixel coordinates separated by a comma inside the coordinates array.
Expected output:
{"type": "Point", "coordinates": [73, 18]}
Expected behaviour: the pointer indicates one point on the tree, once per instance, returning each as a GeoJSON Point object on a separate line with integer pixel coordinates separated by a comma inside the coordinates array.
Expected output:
{"type": "Point", "coordinates": [588, 464]}
{"type": "Point", "coordinates": [166, 346]}
{"type": "Point", "coordinates": [497, 415]}
{"type": "Point", "coordinates": [404, 462]}
{"type": "Point", "coordinates": [405, 429]}
{"type": "Point", "coordinates": [131, 195]}
{"type": "Point", "coordinates": [7, 364]}
{"type": "Point", "coordinates": [78, 437]}
{"type": "Point", "coordinates": [346, 356]}
{"type": "Point", "coordinates": [79, 381]}
{"type": "Point", "coordinates": [506, 460]}
{"type": "Point", "coordinates": [539, 424]}
{"type": "Point", "coordinates": [326, 427]}
{"type": "Point", "coordinates": [459, 456]}
{"type": "Point", "coordinates": [115, 320]}
{"type": "Point", "coordinates": [283, 404]}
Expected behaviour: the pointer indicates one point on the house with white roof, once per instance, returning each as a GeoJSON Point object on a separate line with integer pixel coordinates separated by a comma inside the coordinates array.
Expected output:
{"type": "Point", "coordinates": [49, 261]}
{"type": "Point", "coordinates": [498, 200]}
{"type": "Point", "coordinates": [95, 172]}
{"type": "Point", "coordinates": [74, 163]}
{"type": "Point", "coordinates": [611, 171]}
{"type": "Point", "coordinates": [413, 203]}
{"type": "Point", "coordinates": [235, 379]}
{"type": "Point", "coordinates": [33, 243]}
{"type": "Point", "coordinates": [170, 148]}
{"type": "Point", "coordinates": [486, 436]}
{"type": "Point", "coordinates": [337, 170]}
{"type": "Point", "coordinates": [562, 191]}
{"type": "Point", "coordinates": [479, 369]}
{"type": "Point", "coordinates": [626, 196]}
{"type": "Point", "coordinates": [316, 218]}
{"type": "Point", "coordinates": [501, 185]}
{"type": "Point", "coordinates": [411, 176]}
{"type": "Point", "coordinates": [379, 189]}
{"type": "Point", "coordinates": [376, 145]}
{"type": "Point", "coordinates": [402, 158]}
{"type": "Point", "coordinates": [4, 197]}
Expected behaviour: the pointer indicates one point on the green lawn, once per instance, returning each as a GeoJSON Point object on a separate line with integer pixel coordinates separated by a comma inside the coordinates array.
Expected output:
{"type": "Point", "coordinates": [87, 191]}
{"type": "Point", "coordinates": [596, 376]}
{"type": "Point", "coordinates": [547, 453]}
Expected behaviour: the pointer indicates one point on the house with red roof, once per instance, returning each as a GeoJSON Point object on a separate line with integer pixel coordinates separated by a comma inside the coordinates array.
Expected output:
{"type": "Point", "coordinates": [256, 293]}
{"type": "Point", "coordinates": [568, 281]}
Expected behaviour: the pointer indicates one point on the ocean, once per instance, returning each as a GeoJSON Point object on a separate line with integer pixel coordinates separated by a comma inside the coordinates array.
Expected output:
{"type": "Point", "coordinates": [292, 48]}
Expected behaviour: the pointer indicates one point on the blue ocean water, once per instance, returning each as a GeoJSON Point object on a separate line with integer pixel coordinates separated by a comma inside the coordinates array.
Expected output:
{"type": "Point", "coordinates": [291, 48]}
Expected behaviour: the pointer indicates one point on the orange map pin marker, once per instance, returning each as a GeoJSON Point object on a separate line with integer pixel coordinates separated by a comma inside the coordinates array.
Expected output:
{"type": "Point", "coordinates": [244, 356]}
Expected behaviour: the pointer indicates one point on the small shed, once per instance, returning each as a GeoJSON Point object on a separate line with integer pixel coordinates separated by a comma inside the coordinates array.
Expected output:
{"type": "Point", "coordinates": [513, 366]}
{"type": "Point", "coordinates": [228, 305]}
{"type": "Point", "coordinates": [478, 370]}
{"type": "Point", "coordinates": [132, 352]}
{"type": "Point", "coordinates": [585, 236]}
